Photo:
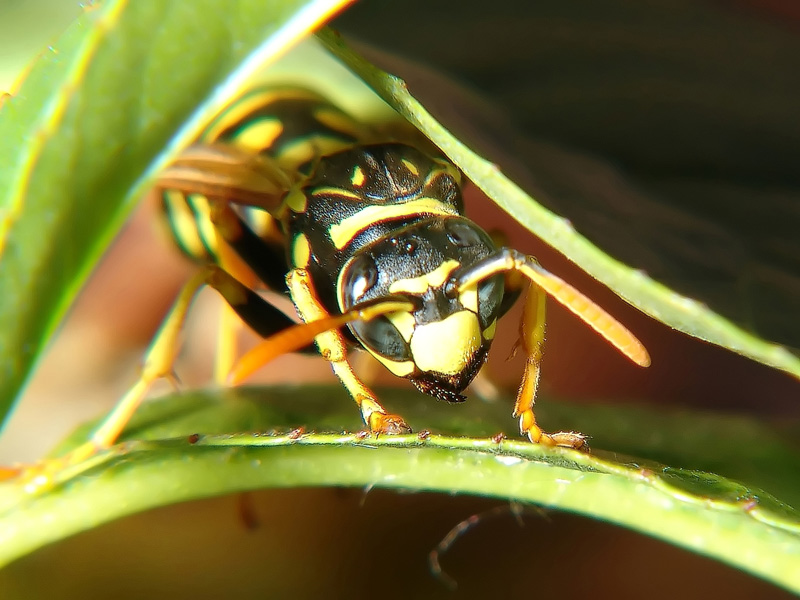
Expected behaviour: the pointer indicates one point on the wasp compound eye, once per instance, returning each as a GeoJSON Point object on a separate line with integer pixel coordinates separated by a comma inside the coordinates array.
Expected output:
{"type": "Point", "coordinates": [361, 276]}
{"type": "Point", "coordinates": [463, 234]}
{"type": "Point", "coordinates": [490, 296]}
{"type": "Point", "coordinates": [381, 336]}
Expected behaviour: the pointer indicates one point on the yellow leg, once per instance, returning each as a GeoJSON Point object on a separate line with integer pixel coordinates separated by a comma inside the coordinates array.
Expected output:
{"type": "Point", "coordinates": [227, 334]}
{"type": "Point", "coordinates": [517, 266]}
{"type": "Point", "coordinates": [532, 337]}
{"type": "Point", "coordinates": [333, 349]}
{"type": "Point", "coordinates": [158, 363]}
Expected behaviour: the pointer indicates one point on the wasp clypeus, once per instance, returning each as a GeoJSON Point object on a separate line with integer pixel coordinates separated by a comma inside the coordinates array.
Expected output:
{"type": "Point", "coordinates": [367, 234]}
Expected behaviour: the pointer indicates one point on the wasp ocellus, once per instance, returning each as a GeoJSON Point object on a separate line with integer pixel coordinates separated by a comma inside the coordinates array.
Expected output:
{"type": "Point", "coordinates": [366, 232]}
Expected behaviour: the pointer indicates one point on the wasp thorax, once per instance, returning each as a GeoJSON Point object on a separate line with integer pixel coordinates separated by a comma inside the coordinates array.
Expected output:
{"type": "Point", "coordinates": [441, 344]}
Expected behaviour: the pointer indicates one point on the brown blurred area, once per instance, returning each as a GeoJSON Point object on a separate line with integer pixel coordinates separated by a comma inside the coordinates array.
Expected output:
{"type": "Point", "coordinates": [338, 543]}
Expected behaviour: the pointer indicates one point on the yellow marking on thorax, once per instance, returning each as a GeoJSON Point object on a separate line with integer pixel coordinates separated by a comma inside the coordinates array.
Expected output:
{"type": "Point", "coordinates": [296, 200]}
{"type": "Point", "coordinates": [301, 251]}
{"type": "Point", "coordinates": [260, 134]}
{"type": "Point", "coordinates": [419, 285]}
{"type": "Point", "coordinates": [447, 346]}
{"type": "Point", "coordinates": [358, 177]}
{"type": "Point", "coordinates": [335, 191]}
{"type": "Point", "coordinates": [343, 232]}
{"type": "Point", "coordinates": [412, 168]}
{"type": "Point", "coordinates": [445, 167]}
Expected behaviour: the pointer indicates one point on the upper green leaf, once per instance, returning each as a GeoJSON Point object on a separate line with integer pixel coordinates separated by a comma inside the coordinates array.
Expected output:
{"type": "Point", "coordinates": [99, 114]}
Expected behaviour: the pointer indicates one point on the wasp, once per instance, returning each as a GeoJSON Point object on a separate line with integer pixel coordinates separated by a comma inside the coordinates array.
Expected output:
{"type": "Point", "coordinates": [366, 232]}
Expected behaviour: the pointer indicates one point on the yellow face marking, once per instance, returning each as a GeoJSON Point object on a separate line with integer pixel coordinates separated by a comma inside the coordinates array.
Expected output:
{"type": "Point", "coordinates": [419, 285]}
{"type": "Point", "coordinates": [401, 368]}
{"type": "Point", "coordinates": [358, 177]}
{"type": "Point", "coordinates": [489, 332]}
{"type": "Point", "coordinates": [301, 251]}
{"type": "Point", "coordinates": [404, 322]}
{"type": "Point", "coordinates": [259, 135]}
{"type": "Point", "coordinates": [296, 200]}
{"type": "Point", "coordinates": [335, 191]}
{"type": "Point", "coordinates": [348, 228]}
{"type": "Point", "coordinates": [412, 168]}
{"type": "Point", "coordinates": [469, 298]}
{"type": "Point", "coordinates": [447, 346]}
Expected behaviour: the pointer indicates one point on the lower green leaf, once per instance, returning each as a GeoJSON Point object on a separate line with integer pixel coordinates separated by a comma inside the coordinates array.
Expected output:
{"type": "Point", "coordinates": [163, 461]}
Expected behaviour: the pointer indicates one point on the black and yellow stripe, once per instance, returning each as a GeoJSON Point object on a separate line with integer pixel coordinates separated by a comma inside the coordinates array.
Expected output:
{"type": "Point", "coordinates": [290, 126]}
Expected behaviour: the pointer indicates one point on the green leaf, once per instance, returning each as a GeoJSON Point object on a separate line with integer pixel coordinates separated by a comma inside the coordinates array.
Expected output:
{"type": "Point", "coordinates": [163, 463]}
{"type": "Point", "coordinates": [658, 301]}
{"type": "Point", "coordinates": [99, 114]}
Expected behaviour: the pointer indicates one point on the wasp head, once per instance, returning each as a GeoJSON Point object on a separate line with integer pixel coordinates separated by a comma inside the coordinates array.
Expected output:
{"type": "Point", "coordinates": [442, 344]}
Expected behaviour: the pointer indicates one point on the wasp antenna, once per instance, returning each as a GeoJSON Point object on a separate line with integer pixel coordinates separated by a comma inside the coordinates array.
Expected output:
{"type": "Point", "coordinates": [288, 340]}
{"type": "Point", "coordinates": [300, 335]}
{"type": "Point", "coordinates": [589, 312]}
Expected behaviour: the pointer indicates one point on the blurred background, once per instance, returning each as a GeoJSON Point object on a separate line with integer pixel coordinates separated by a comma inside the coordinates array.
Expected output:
{"type": "Point", "coordinates": [666, 131]}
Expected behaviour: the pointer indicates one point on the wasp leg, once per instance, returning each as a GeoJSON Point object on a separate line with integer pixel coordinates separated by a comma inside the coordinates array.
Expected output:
{"type": "Point", "coordinates": [333, 348]}
{"type": "Point", "coordinates": [300, 335]}
{"type": "Point", "coordinates": [228, 329]}
{"type": "Point", "coordinates": [239, 248]}
{"type": "Point", "coordinates": [215, 174]}
{"type": "Point", "coordinates": [208, 230]}
{"type": "Point", "coordinates": [367, 367]}
{"type": "Point", "coordinates": [189, 219]}
{"type": "Point", "coordinates": [157, 363]}
{"type": "Point", "coordinates": [532, 337]}
{"type": "Point", "coordinates": [225, 171]}
{"type": "Point", "coordinates": [515, 264]}
{"type": "Point", "coordinates": [159, 359]}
